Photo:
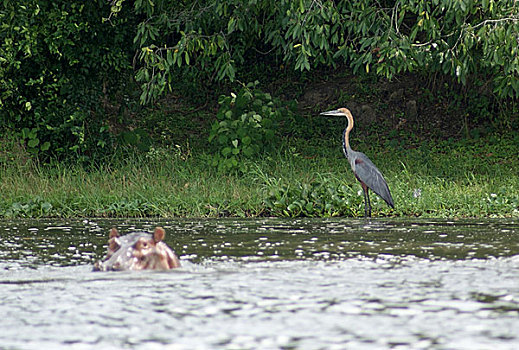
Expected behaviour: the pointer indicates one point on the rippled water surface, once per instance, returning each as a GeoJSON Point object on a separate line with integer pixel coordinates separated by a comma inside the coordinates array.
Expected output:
{"type": "Point", "coordinates": [265, 284]}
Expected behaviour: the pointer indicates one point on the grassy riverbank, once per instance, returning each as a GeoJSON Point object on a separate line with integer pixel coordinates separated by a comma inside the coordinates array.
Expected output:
{"type": "Point", "coordinates": [467, 178]}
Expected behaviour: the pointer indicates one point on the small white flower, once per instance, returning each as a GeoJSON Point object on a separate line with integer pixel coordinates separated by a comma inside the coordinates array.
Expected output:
{"type": "Point", "coordinates": [359, 192]}
{"type": "Point", "coordinates": [417, 192]}
{"type": "Point", "coordinates": [493, 195]}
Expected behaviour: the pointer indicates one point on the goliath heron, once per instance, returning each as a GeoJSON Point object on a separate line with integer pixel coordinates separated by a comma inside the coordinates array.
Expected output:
{"type": "Point", "coordinates": [363, 168]}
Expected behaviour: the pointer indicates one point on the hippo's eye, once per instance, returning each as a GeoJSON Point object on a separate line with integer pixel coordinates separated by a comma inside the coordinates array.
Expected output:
{"type": "Point", "coordinates": [143, 244]}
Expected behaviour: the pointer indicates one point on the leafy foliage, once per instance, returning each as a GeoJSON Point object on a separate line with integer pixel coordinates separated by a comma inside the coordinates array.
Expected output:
{"type": "Point", "coordinates": [464, 39]}
{"type": "Point", "coordinates": [314, 199]}
{"type": "Point", "coordinates": [61, 62]}
{"type": "Point", "coordinates": [57, 62]}
{"type": "Point", "coordinates": [35, 207]}
{"type": "Point", "coordinates": [245, 126]}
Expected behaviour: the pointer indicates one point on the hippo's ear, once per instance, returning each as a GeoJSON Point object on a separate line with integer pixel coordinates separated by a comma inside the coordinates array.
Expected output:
{"type": "Point", "coordinates": [114, 233]}
{"type": "Point", "coordinates": [159, 234]}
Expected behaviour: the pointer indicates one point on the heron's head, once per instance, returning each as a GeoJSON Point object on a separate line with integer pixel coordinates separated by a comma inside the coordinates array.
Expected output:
{"type": "Point", "coordinates": [341, 112]}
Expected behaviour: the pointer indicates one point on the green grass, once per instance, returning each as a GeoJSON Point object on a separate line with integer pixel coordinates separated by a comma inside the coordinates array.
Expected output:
{"type": "Point", "coordinates": [477, 178]}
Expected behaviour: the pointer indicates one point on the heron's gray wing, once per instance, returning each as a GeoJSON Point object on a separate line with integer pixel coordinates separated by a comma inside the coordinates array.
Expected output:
{"type": "Point", "coordinates": [368, 173]}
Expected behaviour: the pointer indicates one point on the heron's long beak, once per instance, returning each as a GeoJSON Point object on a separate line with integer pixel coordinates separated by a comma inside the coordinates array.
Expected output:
{"type": "Point", "coordinates": [334, 113]}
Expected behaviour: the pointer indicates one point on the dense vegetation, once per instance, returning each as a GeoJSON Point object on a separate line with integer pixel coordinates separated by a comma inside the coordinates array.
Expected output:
{"type": "Point", "coordinates": [147, 108]}
{"type": "Point", "coordinates": [475, 42]}
{"type": "Point", "coordinates": [471, 178]}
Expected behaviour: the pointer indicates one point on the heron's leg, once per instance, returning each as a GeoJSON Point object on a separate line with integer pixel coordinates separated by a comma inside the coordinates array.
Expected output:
{"type": "Point", "coordinates": [367, 206]}
{"type": "Point", "coordinates": [369, 203]}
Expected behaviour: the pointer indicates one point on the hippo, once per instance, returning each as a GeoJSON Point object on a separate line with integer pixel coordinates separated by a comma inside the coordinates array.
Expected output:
{"type": "Point", "coordinates": [138, 251]}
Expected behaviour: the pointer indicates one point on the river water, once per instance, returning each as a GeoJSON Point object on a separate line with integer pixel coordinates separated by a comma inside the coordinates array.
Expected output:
{"type": "Point", "coordinates": [265, 284]}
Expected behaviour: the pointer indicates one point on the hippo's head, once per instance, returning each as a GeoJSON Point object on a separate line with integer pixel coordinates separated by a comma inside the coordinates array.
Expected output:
{"type": "Point", "coordinates": [138, 251]}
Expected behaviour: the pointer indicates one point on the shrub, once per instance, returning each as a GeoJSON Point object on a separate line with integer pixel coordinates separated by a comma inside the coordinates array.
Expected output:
{"type": "Point", "coordinates": [314, 199]}
{"type": "Point", "coordinates": [58, 61]}
{"type": "Point", "coordinates": [245, 127]}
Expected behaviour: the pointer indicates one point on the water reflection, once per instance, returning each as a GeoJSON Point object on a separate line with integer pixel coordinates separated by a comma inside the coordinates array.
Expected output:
{"type": "Point", "coordinates": [34, 243]}
{"type": "Point", "coordinates": [265, 284]}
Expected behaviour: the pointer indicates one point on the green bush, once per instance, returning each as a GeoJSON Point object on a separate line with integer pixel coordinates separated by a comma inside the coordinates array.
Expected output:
{"type": "Point", "coordinates": [58, 63]}
{"type": "Point", "coordinates": [245, 127]}
{"type": "Point", "coordinates": [35, 207]}
{"type": "Point", "coordinates": [314, 199]}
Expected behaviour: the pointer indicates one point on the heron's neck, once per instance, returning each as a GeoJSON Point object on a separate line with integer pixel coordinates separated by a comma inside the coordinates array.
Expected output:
{"type": "Point", "coordinates": [346, 134]}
